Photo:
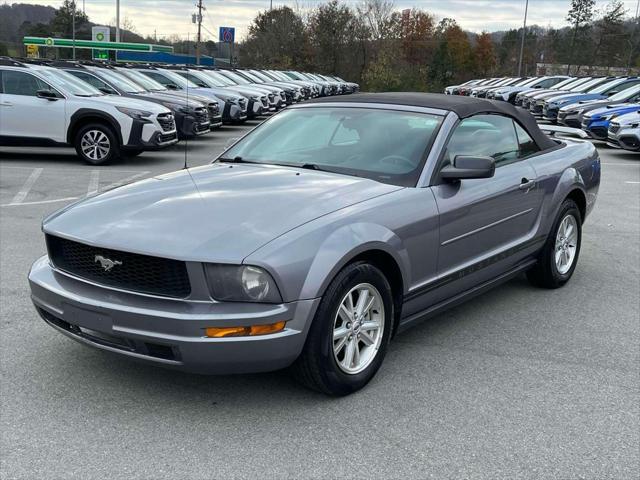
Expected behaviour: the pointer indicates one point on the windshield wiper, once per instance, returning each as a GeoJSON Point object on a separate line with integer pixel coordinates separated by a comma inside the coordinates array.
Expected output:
{"type": "Point", "coordinates": [236, 159]}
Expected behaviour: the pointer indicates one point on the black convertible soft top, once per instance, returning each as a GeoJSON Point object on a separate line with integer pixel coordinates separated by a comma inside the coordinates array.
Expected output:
{"type": "Point", "coordinates": [464, 107]}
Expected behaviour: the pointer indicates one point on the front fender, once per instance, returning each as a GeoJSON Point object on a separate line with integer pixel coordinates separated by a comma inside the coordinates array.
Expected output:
{"type": "Point", "coordinates": [303, 264]}
{"type": "Point", "coordinates": [346, 243]}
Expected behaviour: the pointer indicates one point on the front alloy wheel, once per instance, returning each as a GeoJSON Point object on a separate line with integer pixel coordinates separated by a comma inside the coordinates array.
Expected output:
{"type": "Point", "coordinates": [357, 328]}
{"type": "Point", "coordinates": [96, 144]}
{"type": "Point", "coordinates": [350, 332]}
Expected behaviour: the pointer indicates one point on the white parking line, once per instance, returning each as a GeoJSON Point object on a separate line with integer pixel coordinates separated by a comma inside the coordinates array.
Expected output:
{"type": "Point", "coordinates": [633, 183]}
{"type": "Point", "coordinates": [94, 183]}
{"type": "Point", "coordinates": [41, 202]}
{"type": "Point", "coordinates": [26, 188]}
{"type": "Point", "coordinates": [621, 164]}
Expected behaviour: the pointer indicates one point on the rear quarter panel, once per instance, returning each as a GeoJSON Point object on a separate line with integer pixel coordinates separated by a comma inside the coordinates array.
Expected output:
{"type": "Point", "coordinates": [575, 165]}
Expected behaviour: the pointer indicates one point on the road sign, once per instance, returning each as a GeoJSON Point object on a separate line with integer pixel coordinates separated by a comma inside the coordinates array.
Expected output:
{"type": "Point", "coordinates": [227, 34]}
{"type": "Point", "coordinates": [100, 34]}
{"type": "Point", "coordinates": [32, 51]}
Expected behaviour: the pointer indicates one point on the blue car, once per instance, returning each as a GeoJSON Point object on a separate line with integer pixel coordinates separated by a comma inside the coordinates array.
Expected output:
{"type": "Point", "coordinates": [596, 122]}
{"type": "Point", "coordinates": [552, 106]}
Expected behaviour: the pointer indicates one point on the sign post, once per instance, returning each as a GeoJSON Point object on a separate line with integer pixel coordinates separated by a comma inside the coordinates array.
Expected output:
{"type": "Point", "coordinates": [228, 35]}
{"type": "Point", "coordinates": [100, 34]}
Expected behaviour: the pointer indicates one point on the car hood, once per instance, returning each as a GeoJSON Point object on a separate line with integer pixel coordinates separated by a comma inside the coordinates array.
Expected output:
{"type": "Point", "coordinates": [128, 102]}
{"type": "Point", "coordinates": [574, 98]}
{"type": "Point", "coordinates": [617, 108]}
{"type": "Point", "coordinates": [216, 213]}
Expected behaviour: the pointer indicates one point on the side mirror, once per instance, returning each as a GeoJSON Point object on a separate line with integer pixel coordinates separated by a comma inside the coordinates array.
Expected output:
{"type": "Point", "coordinates": [467, 167]}
{"type": "Point", "coordinates": [171, 86]}
{"type": "Point", "coordinates": [107, 90]}
{"type": "Point", "coordinates": [48, 94]}
{"type": "Point", "coordinates": [612, 93]}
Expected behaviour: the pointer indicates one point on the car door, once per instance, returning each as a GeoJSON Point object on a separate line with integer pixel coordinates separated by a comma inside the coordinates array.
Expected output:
{"type": "Point", "coordinates": [484, 221]}
{"type": "Point", "coordinates": [24, 114]}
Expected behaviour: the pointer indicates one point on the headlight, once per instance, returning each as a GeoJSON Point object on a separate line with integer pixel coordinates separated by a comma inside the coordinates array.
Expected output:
{"type": "Point", "coordinates": [241, 283]}
{"type": "Point", "coordinates": [608, 117]}
{"type": "Point", "coordinates": [232, 100]}
{"type": "Point", "coordinates": [134, 112]}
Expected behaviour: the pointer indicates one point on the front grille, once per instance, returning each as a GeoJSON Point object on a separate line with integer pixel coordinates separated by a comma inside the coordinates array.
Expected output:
{"type": "Point", "coordinates": [283, 96]}
{"type": "Point", "coordinates": [562, 115]}
{"type": "Point", "coordinates": [272, 97]}
{"type": "Point", "coordinates": [599, 132]}
{"type": "Point", "coordinates": [124, 270]}
{"type": "Point", "coordinates": [265, 102]}
{"type": "Point", "coordinates": [201, 115]}
{"type": "Point", "coordinates": [166, 121]}
{"type": "Point", "coordinates": [214, 110]}
{"type": "Point", "coordinates": [614, 128]}
{"type": "Point", "coordinates": [536, 109]}
{"type": "Point", "coordinates": [243, 104]}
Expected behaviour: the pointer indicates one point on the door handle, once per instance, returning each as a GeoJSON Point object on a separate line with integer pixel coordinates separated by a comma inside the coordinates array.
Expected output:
{"type": "Point", "coordinates": [526, 184]}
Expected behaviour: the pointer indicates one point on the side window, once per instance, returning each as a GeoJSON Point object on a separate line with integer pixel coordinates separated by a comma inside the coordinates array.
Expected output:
{"type": "Point", "coordinates": [19, 83]}
{"type": "Point", "coordinates": [90, 79]}
{"type": "Point", "coordinates": [484, 136]}
{"type": "Point", "coordinates": [525, 143]}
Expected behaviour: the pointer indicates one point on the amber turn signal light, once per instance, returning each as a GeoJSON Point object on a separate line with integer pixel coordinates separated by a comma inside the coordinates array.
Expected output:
{"type": "Point", "coordinates": [219, 332]}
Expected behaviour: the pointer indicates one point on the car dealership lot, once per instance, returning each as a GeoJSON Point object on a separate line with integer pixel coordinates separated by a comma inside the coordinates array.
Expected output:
{"type": "Point", "coordinates": [517, 383]}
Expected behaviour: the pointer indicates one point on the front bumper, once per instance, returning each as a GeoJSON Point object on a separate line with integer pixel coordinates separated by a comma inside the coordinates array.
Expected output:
{"type": "Point", "coordinates": [573, 120]}
{"type": "Point", "coordinates": [596, 129]}
{"type": "Point", "coordinates": [165, 331]}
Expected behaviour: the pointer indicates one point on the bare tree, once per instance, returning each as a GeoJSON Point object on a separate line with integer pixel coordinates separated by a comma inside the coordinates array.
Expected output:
{"type": "Point", "coordinates": [580, 15]}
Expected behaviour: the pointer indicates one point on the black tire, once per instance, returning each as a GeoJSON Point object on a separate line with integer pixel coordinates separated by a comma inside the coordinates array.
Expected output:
{"type": "Point", "coordinates": [317, 368]}
{"type": "Point", "coordinates": [545, 273]}
{"type": "Point", "coordinates": [113, 144]}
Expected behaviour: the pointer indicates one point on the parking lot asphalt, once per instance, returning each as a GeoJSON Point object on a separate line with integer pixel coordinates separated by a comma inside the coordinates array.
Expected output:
{"type": "Point", "coordinates": [518, 383]}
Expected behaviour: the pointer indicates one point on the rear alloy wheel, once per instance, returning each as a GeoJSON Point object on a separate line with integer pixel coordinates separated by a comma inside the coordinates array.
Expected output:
{"type": "Point", "coordinates": [350, 332]}
{"type": "Point", "coordinates": [559, 257]}
{"type": "Point", "coordinates": [96, 144]}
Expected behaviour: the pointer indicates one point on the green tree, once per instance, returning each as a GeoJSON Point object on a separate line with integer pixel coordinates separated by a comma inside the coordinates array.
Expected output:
{"type": "Point", "coordinates": [579, 16]}
{"type": "Point", "coordinates": [276, 39]}
{"type": "Point", "coordinates": [330, 27]}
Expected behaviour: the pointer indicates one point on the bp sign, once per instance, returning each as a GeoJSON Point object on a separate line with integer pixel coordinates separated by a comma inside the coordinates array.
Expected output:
{"type": "Point", "coordinates": [100, 34]}
{"type": "Point", "coordinates": [227, 34]}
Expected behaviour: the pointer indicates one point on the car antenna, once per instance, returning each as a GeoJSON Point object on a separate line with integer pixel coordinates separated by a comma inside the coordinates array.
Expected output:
{"type": "Point", "coordinates": [186, 137]}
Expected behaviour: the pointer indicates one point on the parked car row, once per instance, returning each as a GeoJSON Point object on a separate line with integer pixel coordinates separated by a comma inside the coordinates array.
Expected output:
{"type": "Point", "coordinates": [107, 110]}
{"type": "Point", "coordinates": [605, 107]}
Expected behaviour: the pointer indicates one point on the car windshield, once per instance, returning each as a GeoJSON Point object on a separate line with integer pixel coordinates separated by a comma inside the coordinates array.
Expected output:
{"type": "Point", "coordinates": [120, 81]}
{"type": "Point", "coordinates": [143, 80]}
{"type": "Point", "coordinates": [67, 83]}
{"type": "Point", "coordinates": [236, 78]}
{"type": "Point", "coordinates": [388, 146]}
{"type": "Point", "coordinates": [625, 94]}
{"type": "Point", "coordinates": [197, 78]}
{"type": "Point", "coordinates": [220, 79]}
{"type": "Point", "coordinates": [179, 80]}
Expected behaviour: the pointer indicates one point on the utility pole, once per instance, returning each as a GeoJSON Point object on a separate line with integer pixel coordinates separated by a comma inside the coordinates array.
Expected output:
{"type": "Point", "coordinates": [117, 20]}
{"type": "Point", "coordinates": [631, 39]}
{"type": "Point", "coordinates": [73, 27]}
{"type": "Point", "coordinates": [200, 7]}
{"type": "Point", "coordinates": [524, 34]}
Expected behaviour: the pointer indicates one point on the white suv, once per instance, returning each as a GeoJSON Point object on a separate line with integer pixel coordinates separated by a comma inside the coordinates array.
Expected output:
{"type": "Point", "coordinates": [40, 105]}
{"type": "Point", "coordinates": [624, 132]}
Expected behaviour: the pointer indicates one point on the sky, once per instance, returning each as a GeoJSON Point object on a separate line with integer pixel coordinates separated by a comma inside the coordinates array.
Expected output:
{"type": "Point", "coordinates": [167, 17]}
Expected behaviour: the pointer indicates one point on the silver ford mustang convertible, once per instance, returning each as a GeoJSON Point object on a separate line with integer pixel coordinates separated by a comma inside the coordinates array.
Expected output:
{"type": "Point", "coordinates": [315, 238]}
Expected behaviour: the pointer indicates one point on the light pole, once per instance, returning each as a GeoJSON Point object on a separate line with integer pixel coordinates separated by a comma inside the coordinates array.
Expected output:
{"type": "Point", "coordinates": [524, 33]}
{"type": "Point", "coordinates": [117, 20]}
{"type": "Point", "coordinates": [73, 28]}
